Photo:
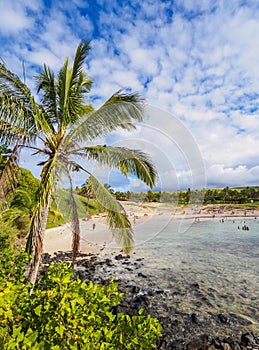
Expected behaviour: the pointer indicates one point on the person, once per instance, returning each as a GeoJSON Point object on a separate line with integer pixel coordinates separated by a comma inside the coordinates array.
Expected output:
{"type": "Point", "coordinates": [93, 226]}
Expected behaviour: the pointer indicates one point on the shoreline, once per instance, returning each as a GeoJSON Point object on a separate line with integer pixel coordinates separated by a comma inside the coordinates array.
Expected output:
{"type": "Point", "coordinates": [96, 236]}
{"type": "Point", "coordinates": [192, 311]}
{"type": "Point", "coordinates": [199, 324]}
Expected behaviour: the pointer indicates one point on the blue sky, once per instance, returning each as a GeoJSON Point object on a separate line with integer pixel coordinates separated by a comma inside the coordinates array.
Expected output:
{"type": "Point", "coordinates": [197, 60]}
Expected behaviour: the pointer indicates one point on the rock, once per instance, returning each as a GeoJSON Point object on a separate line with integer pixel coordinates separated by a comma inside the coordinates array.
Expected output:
{"type": "Point", "coordinates": [134, 289]}
{"type": "Point", "coordinates": [196, 344]}
{"type": "Point", "coordinates": [140, 274]}
{"type": "Point", "coordinates": [248, 339]}
{"type": "Point", "coordinates": [236, 319]}
{"type": "Point", "coordinates": [236, 347]}
{"type": "Point", "coordinates": [181, 329]}
{"type": "Point", "coordinates": [223, 318]}
{"type": "Point", "coordinates": [139, 302]}
{"type": "Point", "coordinates": [195, 286]}
{"type": "Point", "coordinates": [225, 346]}
{"type": "Point", "coordinates": [194, 318]}
{"type": "Point", "coordinates": [119, 257]}
{"type": "Point", "coordinates": [159, 291]}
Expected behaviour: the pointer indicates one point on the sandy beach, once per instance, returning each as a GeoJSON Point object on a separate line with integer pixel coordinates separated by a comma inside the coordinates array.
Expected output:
{"type": "Point", "coordinates": [95, 236]}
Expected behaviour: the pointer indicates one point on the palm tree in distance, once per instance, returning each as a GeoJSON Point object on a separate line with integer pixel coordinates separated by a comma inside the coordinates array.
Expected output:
{"type": "Point", "coordinates": [58, 128]}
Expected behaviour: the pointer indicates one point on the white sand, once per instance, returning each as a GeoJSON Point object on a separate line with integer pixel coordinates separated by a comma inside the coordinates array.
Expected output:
{"type": "Point", "coordinates": [101, 239]}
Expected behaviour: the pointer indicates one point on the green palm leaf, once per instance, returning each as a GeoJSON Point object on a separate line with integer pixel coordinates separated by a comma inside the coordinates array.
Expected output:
{"type": "Point", "coordinates": [117, 219]}
{"type": "Point", "coordinates": [17, 108]}
{"type": "Point", "coordinates": [79, 60]}
{"type": "Point", "coordinates": [127, 161]}
{"type": "Point", "coordinates": [46, 83]}
{"type": "Point", "coordinates": [120, 111]}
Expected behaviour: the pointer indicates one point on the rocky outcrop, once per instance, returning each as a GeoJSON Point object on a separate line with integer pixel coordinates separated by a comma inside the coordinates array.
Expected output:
{"type": "Point", "coordinates": [181, 329]}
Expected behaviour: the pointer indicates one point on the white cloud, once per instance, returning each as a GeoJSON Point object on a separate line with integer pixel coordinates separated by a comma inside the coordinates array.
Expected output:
{"type": "Point", "coordinates": [233, 176]}
{"type": "Point", "coordinates": [196, 59]}
{"type": "Point", "coordinates": [14, 16]}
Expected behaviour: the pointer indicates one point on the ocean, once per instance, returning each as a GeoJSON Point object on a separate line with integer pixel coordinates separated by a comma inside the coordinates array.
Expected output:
{"type": "Point", "coordinates": [209, 268]}
{"type": "Point", "coordinates": [219, 257]}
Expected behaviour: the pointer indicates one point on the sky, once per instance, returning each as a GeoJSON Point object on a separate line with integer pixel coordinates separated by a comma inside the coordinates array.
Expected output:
{"type": "Point", "coordinates": [195, 62]}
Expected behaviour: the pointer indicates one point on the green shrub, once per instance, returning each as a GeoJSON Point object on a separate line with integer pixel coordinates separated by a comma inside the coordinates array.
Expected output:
{"type": "Point", "coordinates": [7, 235]}
{"type": "Point", "coordinates": [66, 313]}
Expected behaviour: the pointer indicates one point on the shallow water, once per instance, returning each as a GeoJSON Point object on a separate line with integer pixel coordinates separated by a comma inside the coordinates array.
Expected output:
{"type": "Point", "coordinates": [218, 256]}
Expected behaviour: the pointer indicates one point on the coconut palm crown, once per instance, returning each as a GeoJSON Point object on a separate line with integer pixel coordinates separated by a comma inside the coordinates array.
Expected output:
{"type": "Point", "coordinates": [63, 124]}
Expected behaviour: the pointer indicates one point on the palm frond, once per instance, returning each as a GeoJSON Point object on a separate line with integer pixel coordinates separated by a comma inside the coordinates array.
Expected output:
{"type": "Point", "coordinates": [127, 161]}
{"type": "Point", "coordinates": [22, 199]}
{"type": "Point", "coordinates": [72, 85]}
{"type": "Point", "coordinates": [9, 216]}
{"type": "Point", "coordinates": [80, 57]}
{"type": "Point", "coordinates": [117, 219]}
{"type": "Point", "coordinates": [120, 111]}
{"type": "Point", "coordinates": [10, 83]}
{"type": "Point", "coordinates": [76, 98]}
{"type": "Point", "coordinates": [17, 105]}
{"type": "Point", "coordinates": [62, 88]}
{"type": "Point", "coordinates": [46, 83]}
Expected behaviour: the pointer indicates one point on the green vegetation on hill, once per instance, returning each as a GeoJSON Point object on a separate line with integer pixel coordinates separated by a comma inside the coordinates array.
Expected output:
{"type": "Point", "coordinates": [15, 220]}
{"type": "Point", "coordinates": [61, 208]}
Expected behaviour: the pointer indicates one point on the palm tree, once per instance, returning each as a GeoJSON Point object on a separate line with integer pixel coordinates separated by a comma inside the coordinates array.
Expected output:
{"type": "Point", "coordinates": [20, 210]}
{"type": "Point", "coordinates": [87, 190]}
{"type": "Point", "coordinates": [58, 128]}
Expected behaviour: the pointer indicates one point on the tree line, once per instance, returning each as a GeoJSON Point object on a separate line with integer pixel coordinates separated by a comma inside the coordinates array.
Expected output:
{"type": "Point", "coordinates": [242, 195]}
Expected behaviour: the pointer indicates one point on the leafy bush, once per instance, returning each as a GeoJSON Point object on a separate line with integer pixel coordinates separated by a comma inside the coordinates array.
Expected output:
{"type": "Point", "coordinates": [7, 235]}
{"type": "Point", "coordinates": [66, 313]}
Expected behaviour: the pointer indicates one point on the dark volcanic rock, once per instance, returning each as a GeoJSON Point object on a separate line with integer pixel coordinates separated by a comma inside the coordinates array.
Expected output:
{"type": "Point", "coordinates": [248, 339]}
{"type": "Point", "coordinates": [195, 329]}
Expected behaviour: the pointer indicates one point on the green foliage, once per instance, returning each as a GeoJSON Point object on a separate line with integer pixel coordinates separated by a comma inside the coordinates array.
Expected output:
{"type": "Point", "coordinates": [12, 262]}
{"type": "Point", "coordinates": [245, 195]}
{"type": "Point", "coordinates": [17, 217]}
{"type": "Point", "coordinates": [4, 154]}
{"type": "Point", "coordinates": [62, 204]}
{"type": "Point", "coordinates": [7, 235]}
{"type": "Point", "coordinates": [28, 183]}
{"type": "Point", "coordinates": [65, 313]}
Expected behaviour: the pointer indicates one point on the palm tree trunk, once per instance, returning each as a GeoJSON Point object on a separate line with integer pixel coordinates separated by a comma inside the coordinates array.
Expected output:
{"type": "Point", "coordinates": [75, 223]}
{"type": "Point", "coordinates": [35, 240]}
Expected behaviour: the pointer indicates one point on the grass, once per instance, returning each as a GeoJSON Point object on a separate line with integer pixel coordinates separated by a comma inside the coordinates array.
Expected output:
{"type": "Point", "coordinates": [61, 210]}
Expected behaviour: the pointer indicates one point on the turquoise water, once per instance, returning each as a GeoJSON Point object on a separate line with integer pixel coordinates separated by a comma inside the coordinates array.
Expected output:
{"type": "Point", "coordinates": [218, 256]}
